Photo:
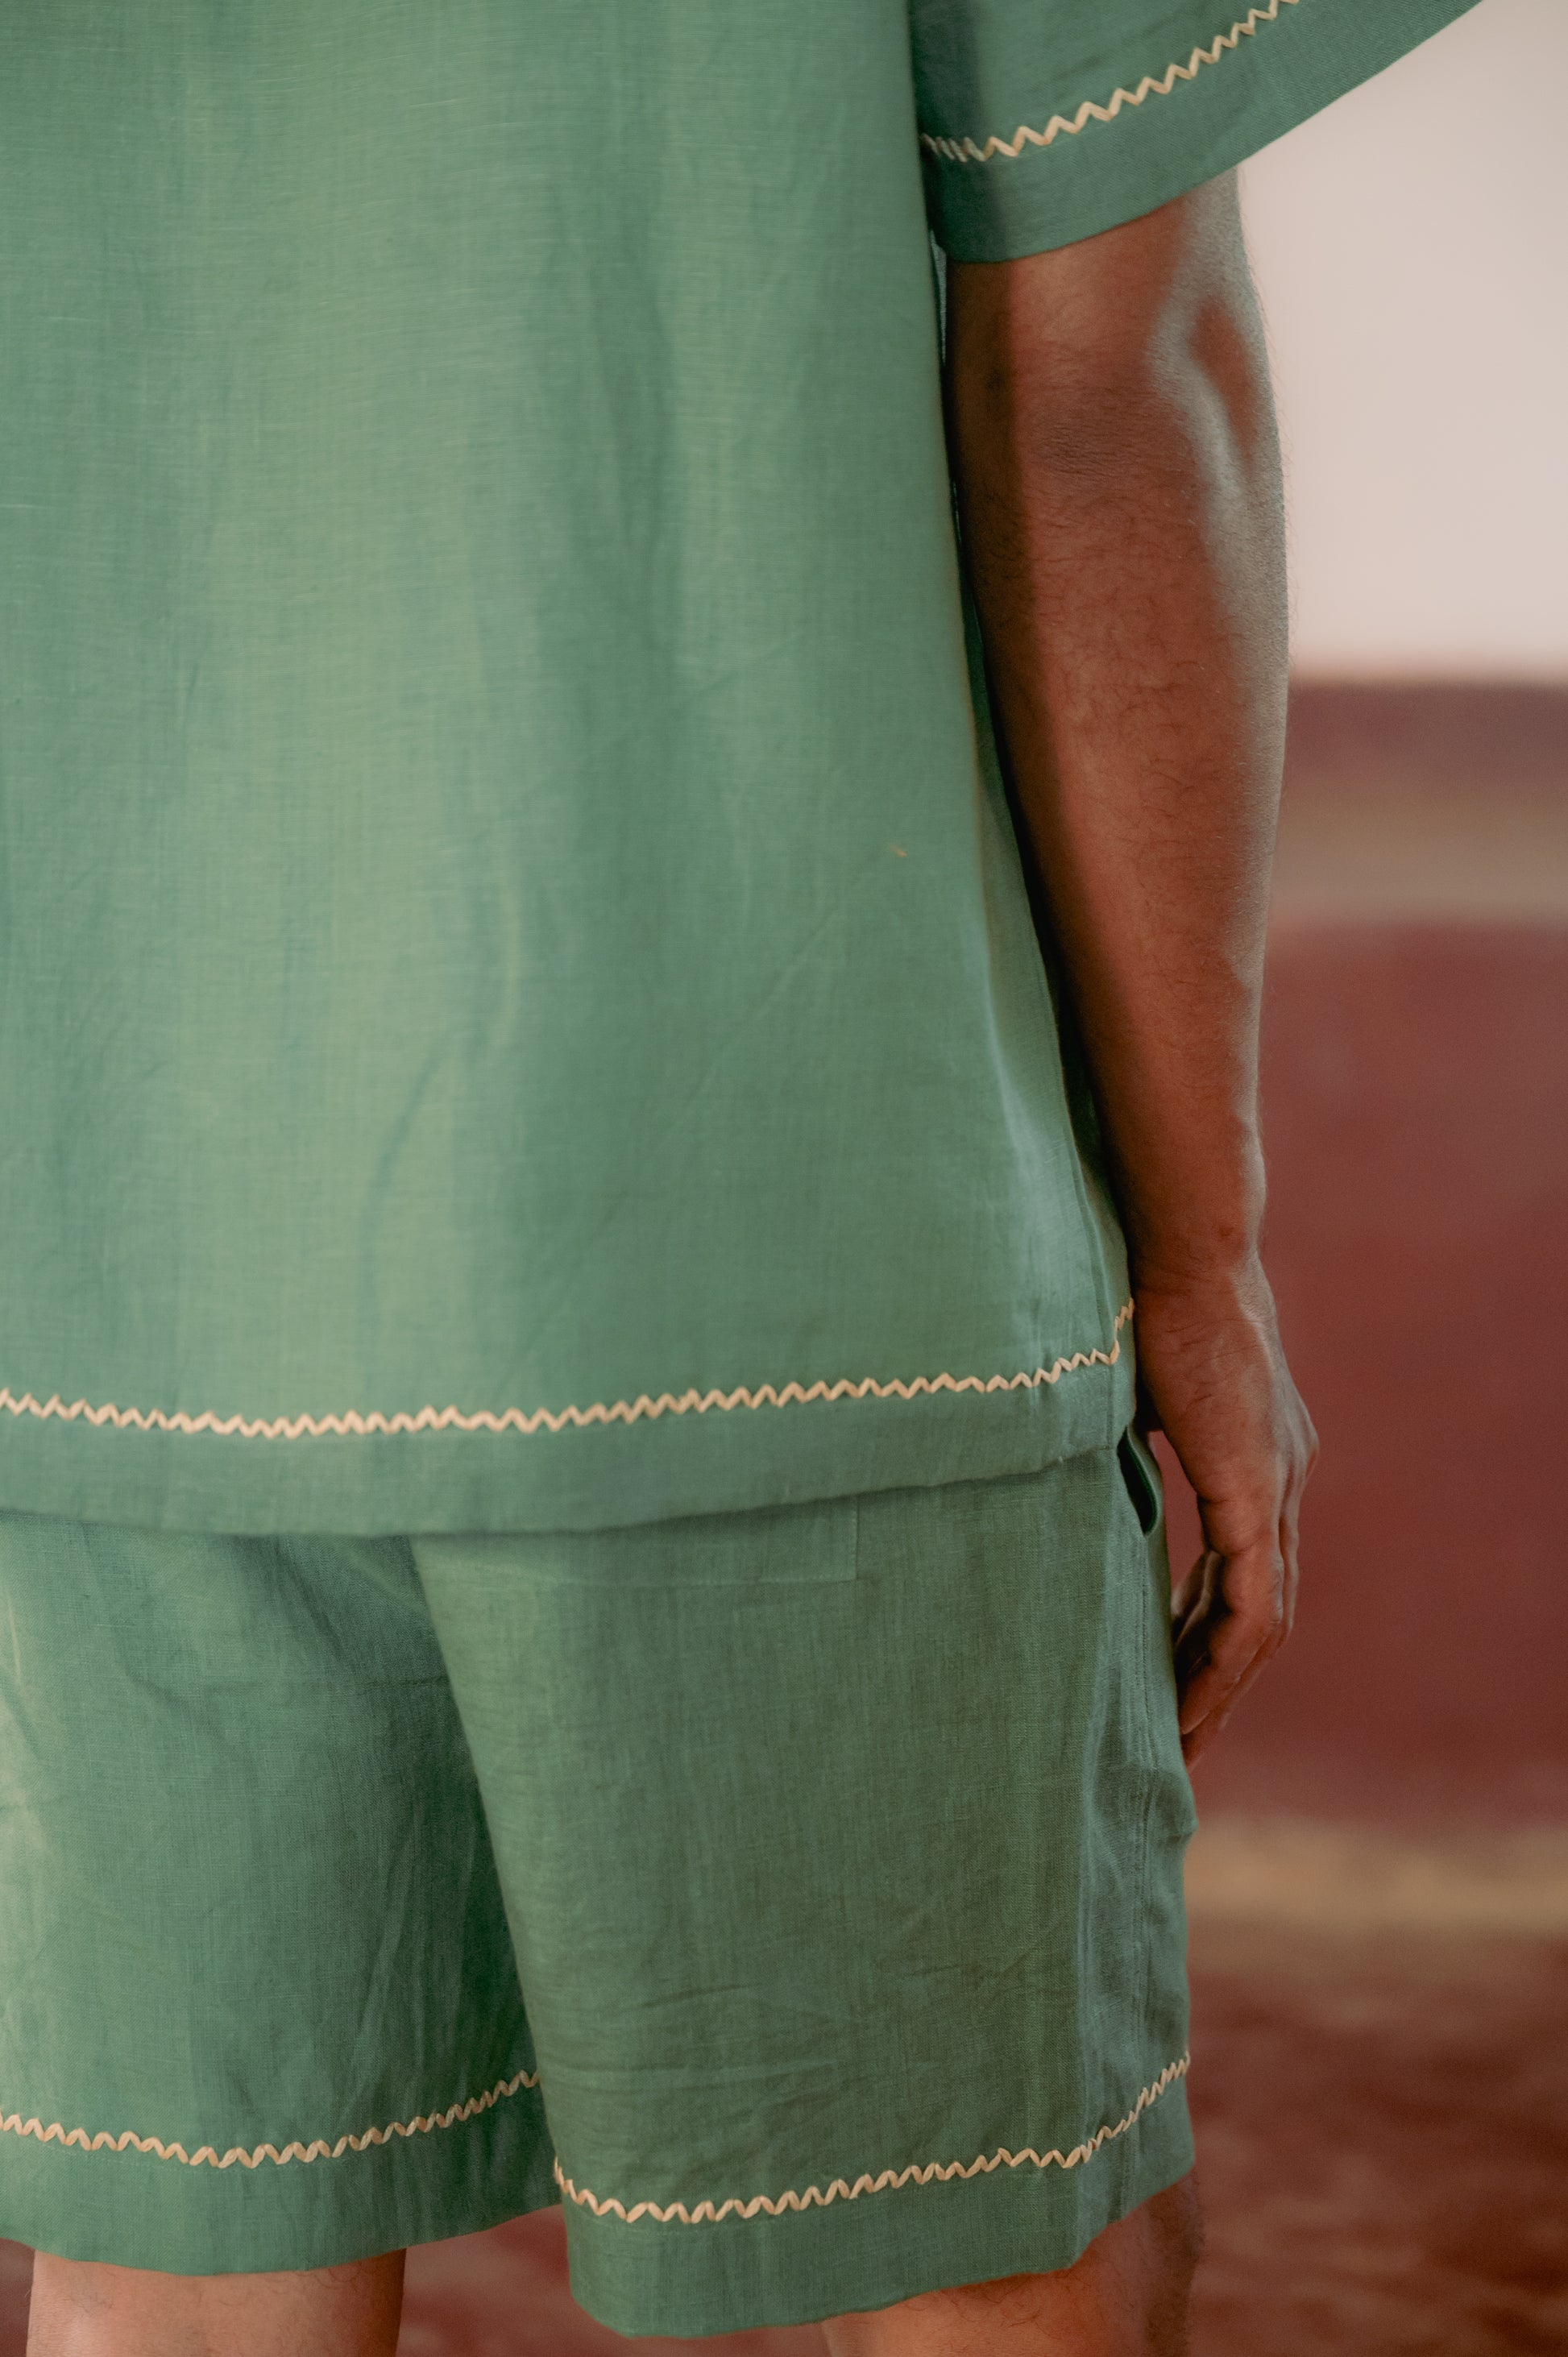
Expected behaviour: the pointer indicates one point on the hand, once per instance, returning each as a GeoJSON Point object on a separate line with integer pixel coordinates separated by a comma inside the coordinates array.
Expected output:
{"type": "Point", "coordinates": [1214, 1379]}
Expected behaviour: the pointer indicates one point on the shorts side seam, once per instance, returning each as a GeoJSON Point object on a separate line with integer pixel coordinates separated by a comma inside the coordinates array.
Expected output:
{"type": "Point", "coordinates": [207, 2156]}
{"type": "Point", "coordinates": [815, 2197]}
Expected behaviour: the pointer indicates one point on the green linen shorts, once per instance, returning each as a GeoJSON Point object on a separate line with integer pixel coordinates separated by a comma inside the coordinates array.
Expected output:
{"type": "Point", "coordinates": [795, 1895]}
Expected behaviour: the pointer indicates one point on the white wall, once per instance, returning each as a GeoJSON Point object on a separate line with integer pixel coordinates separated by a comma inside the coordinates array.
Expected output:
{"type": "Point", "coordinates": [1412, 249]}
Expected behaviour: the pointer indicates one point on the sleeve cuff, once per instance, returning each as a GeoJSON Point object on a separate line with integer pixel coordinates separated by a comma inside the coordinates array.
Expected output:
{"type": "Point", "coordinates": [997, 192]}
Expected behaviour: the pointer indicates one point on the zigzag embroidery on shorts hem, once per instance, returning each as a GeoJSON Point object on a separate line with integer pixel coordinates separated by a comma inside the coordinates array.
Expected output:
{"type": "Point", "coordinates": [815, 2197]}
{"type": "Point", "coordinates": [967, 151]}
{"type": "Point", "coordinates": [354, 1424]}
{"type": "Point", "coordinates": [207, 2156]}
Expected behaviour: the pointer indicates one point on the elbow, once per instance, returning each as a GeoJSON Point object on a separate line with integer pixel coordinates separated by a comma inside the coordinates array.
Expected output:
{"type": "Point", "coordinates": [1079, 358]}
{"type": "Point", "coordinates": [1087, 410]}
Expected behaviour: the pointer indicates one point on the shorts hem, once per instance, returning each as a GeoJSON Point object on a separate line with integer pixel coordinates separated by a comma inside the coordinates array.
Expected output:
{"type": "Point", "coordinates": [801, 2268]}
{"type": "Point", "coordinates": [136, 2211]}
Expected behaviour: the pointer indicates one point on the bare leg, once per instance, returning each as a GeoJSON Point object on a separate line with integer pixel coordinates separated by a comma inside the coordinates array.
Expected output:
{"type": "Point", "coordinates": [1126, 2297]}
{"type": "Point", "coordinates": [87, 2310]}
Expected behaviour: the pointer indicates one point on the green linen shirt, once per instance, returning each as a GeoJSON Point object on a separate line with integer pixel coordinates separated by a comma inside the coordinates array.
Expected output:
{"type": "Point", "coordinates": [520, 1000]}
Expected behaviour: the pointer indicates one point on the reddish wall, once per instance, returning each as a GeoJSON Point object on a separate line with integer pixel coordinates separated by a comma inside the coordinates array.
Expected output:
{"type": "Point", "coordinates": [1416, 1101]}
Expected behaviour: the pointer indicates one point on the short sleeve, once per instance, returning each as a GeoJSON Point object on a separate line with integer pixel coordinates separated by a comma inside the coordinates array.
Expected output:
{"type": "Point", "coordinates": [1045, 121]}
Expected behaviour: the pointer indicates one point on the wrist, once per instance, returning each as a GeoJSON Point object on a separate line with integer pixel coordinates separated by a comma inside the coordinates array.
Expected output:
{"type": "Point", "coordinates": [1191, 1228]}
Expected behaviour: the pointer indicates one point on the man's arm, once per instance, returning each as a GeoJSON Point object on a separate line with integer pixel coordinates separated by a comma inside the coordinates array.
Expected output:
{"type": "Point", "coordinates": [1119, 486]}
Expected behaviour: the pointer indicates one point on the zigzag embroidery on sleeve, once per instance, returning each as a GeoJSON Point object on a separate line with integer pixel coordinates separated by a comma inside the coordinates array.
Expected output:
{"type": "Point", "coordinates": [969, 151]}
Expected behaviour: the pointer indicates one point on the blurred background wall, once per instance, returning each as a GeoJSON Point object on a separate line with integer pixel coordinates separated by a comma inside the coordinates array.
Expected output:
{"type": "Point", "coordinates": [1378, 1894]}
{"type": "Point", "coordinates": [1408, 247]}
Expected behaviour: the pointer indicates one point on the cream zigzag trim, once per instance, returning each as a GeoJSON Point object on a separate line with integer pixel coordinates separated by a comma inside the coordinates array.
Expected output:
{"type": "Point", "coordinates": [966, 151]}
{"type": "Point", "coordinates": [352, 1424]}
{"type": "Point", "coordinates": [13, 2123]}
{"type": "Point", "coordinates": [814, 2198]}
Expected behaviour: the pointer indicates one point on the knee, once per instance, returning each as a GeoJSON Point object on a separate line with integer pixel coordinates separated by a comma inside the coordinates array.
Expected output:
{"type": "Point", "coordinates": [91, 2309]}
{"type": "Point", "coordinates": [1176, 2218]}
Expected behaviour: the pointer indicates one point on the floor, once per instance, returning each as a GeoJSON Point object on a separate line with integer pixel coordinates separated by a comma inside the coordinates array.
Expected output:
{"type": "Point", "coordinates": [1379, 1894]}
{"type": "Point", "coordinates": [1383, 2131]}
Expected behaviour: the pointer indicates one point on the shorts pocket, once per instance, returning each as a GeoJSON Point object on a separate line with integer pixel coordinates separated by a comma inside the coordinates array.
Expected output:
{"type": "Point", "coordinates": [1141, 1477]}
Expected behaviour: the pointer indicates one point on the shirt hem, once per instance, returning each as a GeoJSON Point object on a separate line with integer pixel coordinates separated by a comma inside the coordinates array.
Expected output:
{"type": "Point", "coordinates": [590, 1477]}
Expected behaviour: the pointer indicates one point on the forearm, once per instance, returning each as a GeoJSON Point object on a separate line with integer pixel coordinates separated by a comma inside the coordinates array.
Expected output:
{"type": "Point", "coordinates": [1118, 484]}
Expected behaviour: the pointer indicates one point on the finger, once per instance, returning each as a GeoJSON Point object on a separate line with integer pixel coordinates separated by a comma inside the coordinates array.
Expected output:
{"type": "Point", "coordinates": [1195, 1744]}
{"type": "Point", "coordinates": [1290, 1587]}
{"type": "Point", "coordinates": [1213, 1691]}
{"type": "Point", "coordinates": [1198, 1607]}
{"type": "Point", "coordinates": [1194, 1652]}
{"type": "Point", "coordinates": [1196, 1739]}
{"type": "Point", "coordinates": [1290, 1510]}
{"type": "Point", "coordinates": [1200, 1733]}
{"type": "Point", "coordinates": [1290, 1561]}
{"type": "Point", "coordinates": [1210, 1702]}
{"type": "Point", "coordinates": [1193, 1594]}
{"type": "Point", "coordinates": [1233, 1655]}
{"type": "Point", "coordinates": [1245, 1623]}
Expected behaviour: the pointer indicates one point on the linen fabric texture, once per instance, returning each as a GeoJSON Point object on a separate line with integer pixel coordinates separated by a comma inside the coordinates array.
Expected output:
{"type": "Point", "coordinates": [518, 1003]}
{"type": "Point", "coordinates": [839, 1846]}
